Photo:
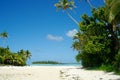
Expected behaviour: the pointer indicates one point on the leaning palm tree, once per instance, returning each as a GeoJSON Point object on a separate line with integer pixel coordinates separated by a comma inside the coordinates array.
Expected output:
{"type": "Point", "coordinates": [113, 12]}
{"type": "Point", "coordinates": [69, 5]}
{"type": "Point", "coordinates": [90, 4]}
{"type": "Point", "coordinates": [66, 5]}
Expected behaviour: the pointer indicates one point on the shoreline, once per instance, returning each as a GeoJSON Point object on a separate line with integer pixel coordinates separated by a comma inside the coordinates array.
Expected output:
{"type": "Point", "coordinates": [53, 73]}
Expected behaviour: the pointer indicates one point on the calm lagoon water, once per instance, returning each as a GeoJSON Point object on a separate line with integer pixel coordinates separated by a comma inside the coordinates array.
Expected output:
{"type": "Point", "coordinates": [65, 64]}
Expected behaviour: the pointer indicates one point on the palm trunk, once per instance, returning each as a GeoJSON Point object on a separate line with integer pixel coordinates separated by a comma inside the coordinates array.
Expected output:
{"type": "Point", "coordinates": [114, 44]}
{"type": "Point", "coordinates": [104, 1]}
{"type": "Point", "coordinates": [90, 3]}
{"type": "Point", "coordinates": [71, 17]}
{"type": "Point", "coordinates": [4, 41]}
{"type": "Point", "coordinates": [115, 40]}
{"type": "Point", "coordinates": [114, 27]}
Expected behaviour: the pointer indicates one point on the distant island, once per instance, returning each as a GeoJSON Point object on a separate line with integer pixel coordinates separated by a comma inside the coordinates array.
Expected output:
{"type": "Point", "coordinates": [46, 62]}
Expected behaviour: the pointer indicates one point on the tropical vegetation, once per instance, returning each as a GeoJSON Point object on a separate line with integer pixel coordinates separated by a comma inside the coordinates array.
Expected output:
{"type": "Point", "coordinates": [8, 57]}
{"type": "Point", "coordinates": [97, 40]}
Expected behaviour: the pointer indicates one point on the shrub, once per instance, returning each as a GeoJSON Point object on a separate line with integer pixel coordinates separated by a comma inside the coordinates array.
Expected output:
{"type": "Point", "coordinates": [108, 68]}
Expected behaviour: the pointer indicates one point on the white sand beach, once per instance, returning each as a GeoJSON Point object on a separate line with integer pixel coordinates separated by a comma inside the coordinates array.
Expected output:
{"type": "Point", "coordinates": [53, 73]}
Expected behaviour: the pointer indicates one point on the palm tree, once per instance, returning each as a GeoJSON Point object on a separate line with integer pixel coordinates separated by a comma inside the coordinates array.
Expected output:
{"type": "Point", "coordinates": [112, 8]}
{"type": "Point", "coordinates": [69, 5]}
{"type": "Point", "coordinates": [2, 59]}
{"type": "Point", "coordinates": [88, 1]}
{"type": "Point", "coordinates": [113, 12]}
{"type": "Point", "coordinates": [4, 35]}
{"type": "Point", "coordinates": [66, 5]}
{"type": "Point", "coordinates": [28, 54]}
{"type": "Point", "coordinates": [24, 54]}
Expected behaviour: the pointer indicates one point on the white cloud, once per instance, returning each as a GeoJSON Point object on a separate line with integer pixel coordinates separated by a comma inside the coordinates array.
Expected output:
{"type": "Point", "coordinates": [55, 38]}
{"type": "Point", "coordinates": [71, 33]}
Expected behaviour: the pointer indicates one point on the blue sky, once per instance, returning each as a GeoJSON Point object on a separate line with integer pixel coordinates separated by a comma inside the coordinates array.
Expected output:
{"type": "Point", "coordinates": [37, 26]}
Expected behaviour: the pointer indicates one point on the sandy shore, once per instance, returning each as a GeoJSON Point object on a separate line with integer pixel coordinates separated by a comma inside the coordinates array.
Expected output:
{"type": "Point", "coordinates": [53, 73]}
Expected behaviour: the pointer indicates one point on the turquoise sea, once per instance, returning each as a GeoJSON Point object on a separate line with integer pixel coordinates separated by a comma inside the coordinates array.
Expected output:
{"type": "Point", "coordinates": [64, 64]}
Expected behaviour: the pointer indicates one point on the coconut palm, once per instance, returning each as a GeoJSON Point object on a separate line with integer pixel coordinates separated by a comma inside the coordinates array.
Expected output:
{"type": "Point", "coordinates": [24, 54]}
{"type": "Point", "coordinates": [18, 60]}
{"type": "Point", "coordinates": [66, 5]}
{"type": "Point", "coordinates": [28, 54]}
{"type": "Point", "coordinates": [4, 35]}
{"type": "Point", "coordinates": [113, 12]}
{"type": "Point", "coordinates": [88, 1]}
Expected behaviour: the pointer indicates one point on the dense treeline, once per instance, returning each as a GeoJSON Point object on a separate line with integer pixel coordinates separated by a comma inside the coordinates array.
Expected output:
{"type": "Point", "coordinates": [98, 37]}
{"type": "Point", "coordinates": [45, 62]}
{"type": "Point", "coordinates": [8, 57]}
{"type": "Point", "coordinates": [97, 40]}
{"type": "Point", "coordinates": [17, 59]}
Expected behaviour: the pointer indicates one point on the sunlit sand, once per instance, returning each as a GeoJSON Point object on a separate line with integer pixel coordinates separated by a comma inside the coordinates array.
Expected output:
{"type": "Point", "coordinates": [53, 73]}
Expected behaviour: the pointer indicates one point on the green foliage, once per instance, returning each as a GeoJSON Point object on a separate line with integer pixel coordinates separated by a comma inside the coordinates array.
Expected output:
{"type": "Point", "coordinates": [4, 35]}
{"type": "Point", "coordinates": [78, 57]}
{"type": "Point", "coordinates": [9, 58]}
{"type": "Point", "coordinates": [16, 59]}
{"type": "Point", "coordinates": [97, 14]}
{"type": "Point", "coordinates": [88, 60]}
{"type": "Point", "coordinates": [108, 68]}
{"type": "Point", "coordinates": [95, 41]}
{"type": "Point", "coordinates": [65, 4]}
{"type": "Point", "coordinates": [114, 11]}
{"type": "Point", "coordinates": [117, 62]}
